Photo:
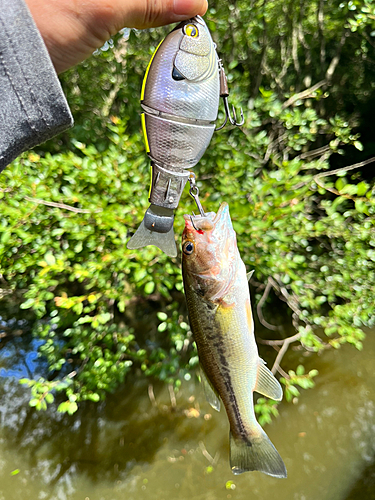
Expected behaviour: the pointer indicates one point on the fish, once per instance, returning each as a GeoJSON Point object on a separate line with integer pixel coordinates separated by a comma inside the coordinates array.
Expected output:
{"type": "Point", "coordinates": [219, 309]}
{"type": "Point", "coordinates": [180, 101]}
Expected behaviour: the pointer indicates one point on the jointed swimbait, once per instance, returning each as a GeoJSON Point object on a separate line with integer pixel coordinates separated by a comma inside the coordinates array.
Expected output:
{"type": "Point", "coordinates": [180, 99]}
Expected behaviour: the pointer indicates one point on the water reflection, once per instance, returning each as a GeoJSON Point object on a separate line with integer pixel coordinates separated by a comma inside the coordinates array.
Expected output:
{"type": "Point", "coordinates": [135, 447]}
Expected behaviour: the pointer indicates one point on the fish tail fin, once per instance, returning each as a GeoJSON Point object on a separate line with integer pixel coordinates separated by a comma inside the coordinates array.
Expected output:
{"type": "Point", "coordinates": [161, 235]}
{"type": "Point", "coordinates": [256, 453]}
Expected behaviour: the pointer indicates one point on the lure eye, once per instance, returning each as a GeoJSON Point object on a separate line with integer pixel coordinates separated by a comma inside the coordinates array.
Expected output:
{"type": "Point", "coordinates": [188, 248]}
{"type": "Point", "coordinates": [191, 30]}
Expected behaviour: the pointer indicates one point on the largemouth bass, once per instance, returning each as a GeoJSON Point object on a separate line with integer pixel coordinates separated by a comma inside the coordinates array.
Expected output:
{"type": "Point", "coordinates": [218, 300]}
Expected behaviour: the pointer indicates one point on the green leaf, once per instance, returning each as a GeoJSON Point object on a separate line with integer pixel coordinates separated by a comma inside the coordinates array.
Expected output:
{"type": "Point", "coordinates": [361, 207]}
{"type": "Point", "coordinates": [300, 370]}
{"type": "Point", "coordinates": [93, 397]}
{"type": "Point", "coordinates": [26, 381]}
{"type": "Point", "coordinates": [5, 237]}
{"type": "Point", "coordinates": [362, 188]}
{"type": "Point", "coordinates": [149, 287]}
{"type": "Point", "coordinates": [162, 327]}
{"type": "Point", "coordinates": [27, 304]}
{"type": "Point", "coordinates": [49, 258]}
{"type": "Point", "coordinates": [63, 407]}
{"type": "Point", "coordinates": [49, 398]}
{"type": "Point", "coordinates": [73, 407]}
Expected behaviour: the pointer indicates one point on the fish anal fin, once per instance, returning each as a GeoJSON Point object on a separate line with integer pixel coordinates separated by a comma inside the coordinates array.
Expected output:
{"type": "Point", "coordinates": [267, 384]}
{"type": "Point", "coordinates": [256, 453]}
{"type": "Point", "coordinates": [211, 395]}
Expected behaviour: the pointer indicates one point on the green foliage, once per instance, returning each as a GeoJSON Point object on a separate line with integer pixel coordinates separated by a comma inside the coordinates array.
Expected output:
{"type": "Point", "coordinates": [298, 378]}
{"type": "Point", "coordinates": [266, 409]}
{"type": "Point", "coordinates": [42, 392]}
{"type": "Point", "coordinates": [69, 207]}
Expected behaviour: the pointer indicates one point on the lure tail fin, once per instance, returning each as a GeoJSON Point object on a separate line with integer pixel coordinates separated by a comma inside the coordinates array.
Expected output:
{"type": "Point", "coordinates": [155, 229]}
{"type": "Point", "coordinates": [256, 453]}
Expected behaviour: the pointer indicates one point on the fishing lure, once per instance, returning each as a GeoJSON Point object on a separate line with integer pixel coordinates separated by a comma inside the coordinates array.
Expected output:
{"type": "Point", "coordinates": [180, 100]}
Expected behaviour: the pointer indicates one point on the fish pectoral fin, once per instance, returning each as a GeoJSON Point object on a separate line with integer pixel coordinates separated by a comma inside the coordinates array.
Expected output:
{"type": "Point", "coordinates": [255, 453]}
{"type": "Point", "coordinates": [212, 396]}
{"type": "Point", "coordinates": [267, 384]}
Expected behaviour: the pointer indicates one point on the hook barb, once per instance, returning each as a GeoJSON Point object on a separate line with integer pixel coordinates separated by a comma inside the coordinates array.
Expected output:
{"type": "Point", "coordinates": [194, 226]}
{"type": "Point", "coordinates": [234, 119]}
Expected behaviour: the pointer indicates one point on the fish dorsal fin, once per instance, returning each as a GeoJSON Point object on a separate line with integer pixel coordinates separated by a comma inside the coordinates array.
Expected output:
{"type": "Point", "coordinates": [249, 274]}
{"type": "Point", "coordinates": [211, 395]}
{"type": "Point", "coordinates": [267, 384]}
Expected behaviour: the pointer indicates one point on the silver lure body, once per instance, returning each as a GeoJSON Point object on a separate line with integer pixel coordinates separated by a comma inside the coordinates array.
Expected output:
{"type": "Point", "coordinates": [180, 101]}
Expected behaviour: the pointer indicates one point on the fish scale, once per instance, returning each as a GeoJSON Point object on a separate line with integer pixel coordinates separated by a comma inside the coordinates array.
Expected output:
{"type": "Point", "coordinates": [217, 349]}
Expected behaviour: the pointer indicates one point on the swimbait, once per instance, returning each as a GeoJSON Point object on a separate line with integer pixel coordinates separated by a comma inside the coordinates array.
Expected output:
{"type": "Point", "coordinates": [218, 300]}
{"type": "Point", "coordinates": [180, 99]}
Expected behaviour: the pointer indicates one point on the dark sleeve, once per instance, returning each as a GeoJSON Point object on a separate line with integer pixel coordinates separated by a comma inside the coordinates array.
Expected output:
{"type": "Point", "coordinates": [33, 107]}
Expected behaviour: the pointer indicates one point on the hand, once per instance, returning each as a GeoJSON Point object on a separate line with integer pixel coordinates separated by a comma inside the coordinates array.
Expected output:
{"type": "Point", "coordinates": [73, 29]}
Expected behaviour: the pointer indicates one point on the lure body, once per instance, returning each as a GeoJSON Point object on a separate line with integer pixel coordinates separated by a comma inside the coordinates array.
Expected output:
{"type": "Point", "coordinates": [180, 101]}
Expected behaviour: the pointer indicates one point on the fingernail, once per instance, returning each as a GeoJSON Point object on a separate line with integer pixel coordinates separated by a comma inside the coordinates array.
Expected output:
{"type": "Point", "coordinates": [189, 7]}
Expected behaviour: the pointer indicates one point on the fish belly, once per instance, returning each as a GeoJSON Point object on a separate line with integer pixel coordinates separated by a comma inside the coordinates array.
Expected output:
{"type": "Point", "coordinates": [228, 355]}
{"type": "Point", "coordinates": [229, 358]}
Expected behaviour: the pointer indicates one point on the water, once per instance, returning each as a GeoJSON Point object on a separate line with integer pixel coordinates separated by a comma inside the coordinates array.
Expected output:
{"type": "Point", "coordinates": [138, 447]}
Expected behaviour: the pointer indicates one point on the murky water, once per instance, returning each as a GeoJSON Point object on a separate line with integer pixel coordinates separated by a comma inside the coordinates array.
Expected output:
{"type": "Point", "coordinates": [134, 447]}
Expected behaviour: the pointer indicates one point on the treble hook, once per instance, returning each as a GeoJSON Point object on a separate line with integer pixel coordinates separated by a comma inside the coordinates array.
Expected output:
{"type": "Point", "coordinates": [224, 94]}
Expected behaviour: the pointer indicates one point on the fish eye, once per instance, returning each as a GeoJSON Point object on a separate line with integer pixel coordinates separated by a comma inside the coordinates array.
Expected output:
{"type": "Point", "coordinates": [188, 247]}
{"type": "Point", "coordinates": [191, 30]}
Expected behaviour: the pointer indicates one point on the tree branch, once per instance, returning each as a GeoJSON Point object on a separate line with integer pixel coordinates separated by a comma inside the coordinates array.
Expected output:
{"type": "Point", "coordinates": [297, 66]}
{"type": "Point", "coordinates": [281, 353]}
{"type": "Point", "coordinates": [339, 171]}
{"type": "Point", "coordinates": [305, 94]}
{"type": "Point", "coordinates": [335, 60]}
{"type": "Point", "coordinates": [314, 152]}
{"type": "Point", "coordinates": [260, 305]}
{"type": "Point", "coordinates": [320, 22]}
{"type": "Point", "coordinates": [62, 205]}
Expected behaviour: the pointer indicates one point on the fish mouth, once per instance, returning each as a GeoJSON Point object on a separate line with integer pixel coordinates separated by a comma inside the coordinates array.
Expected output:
{"type": "Point", "coordinates": [210, 220]}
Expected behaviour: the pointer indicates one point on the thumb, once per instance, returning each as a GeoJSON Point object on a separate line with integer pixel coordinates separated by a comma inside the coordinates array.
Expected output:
{"type": "Point", "coordinates": [151, 13]}
{"type": "Point", "coordinates": [72, 29]}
